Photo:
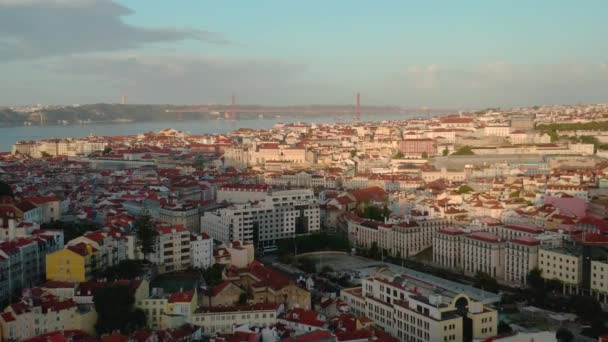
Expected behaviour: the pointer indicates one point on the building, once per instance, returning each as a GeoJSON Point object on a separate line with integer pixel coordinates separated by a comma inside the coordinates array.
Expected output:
{"type": "Point", "coordinates": [223, 319]}
{"type": "Point", "coordinates": [563, 263]}
{"type": "Point", "coordinates": [399, 239]}
{"type": "Point", "coordinates": [50, 207]}
{"type": "Point", "coordinates": [242, 193]}
{"type": "Point", "coordinates": [409, 312]}
{"type": "Point", "coordinates": [417, 147]}
{"type": "Point", "coordinates": [171, 249]}
{"type": "Point", "coordinates": [483, 251]}
{"type": "Point", "coordinates": [264, 284]}
{"type": "Point", "coordinates": [281, 215]}
{"type": "Point", "coordinates": [75, 263]}
{"type": "Point", "coordinates": [521, 256]}
{"type": "Point", "coordinates": [181, 215]}
{"type": "Point", "coordinates": [446, 248]}
{"type": "Point", "coordinates": [201, 251]}
{"type": "Point", "coordinates": [40, 313]}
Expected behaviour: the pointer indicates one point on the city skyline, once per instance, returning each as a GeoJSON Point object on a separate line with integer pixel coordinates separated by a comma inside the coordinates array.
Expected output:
{"type": "Point", "coordinates": [441, 55]}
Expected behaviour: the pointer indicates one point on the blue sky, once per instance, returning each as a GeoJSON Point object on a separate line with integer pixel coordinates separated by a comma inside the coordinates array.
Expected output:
{"type": "Point", "coordinates": [449, 54]}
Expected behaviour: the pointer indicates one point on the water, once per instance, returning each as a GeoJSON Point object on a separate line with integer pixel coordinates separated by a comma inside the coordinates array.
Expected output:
{"type": "Point", "coordinates": [9, 135]}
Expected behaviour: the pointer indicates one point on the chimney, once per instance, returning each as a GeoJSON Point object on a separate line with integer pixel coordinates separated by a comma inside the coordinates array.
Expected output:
{"type": "Point", "coordinates": [11, 229]}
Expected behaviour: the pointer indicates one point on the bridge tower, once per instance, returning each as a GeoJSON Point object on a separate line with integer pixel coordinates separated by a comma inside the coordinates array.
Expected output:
{"type": "Point", "coordinates": [358, 110]}
{"type": "Point", "coordinates": [233, 112]}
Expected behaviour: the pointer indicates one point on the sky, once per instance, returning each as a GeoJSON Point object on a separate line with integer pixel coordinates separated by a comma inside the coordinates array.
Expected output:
{"type": "Point", "coordinates": [439, 54]}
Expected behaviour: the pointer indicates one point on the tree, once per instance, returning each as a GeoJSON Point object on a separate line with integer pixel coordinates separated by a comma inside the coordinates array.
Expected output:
{"type": "Point", "coordinates": [115, 310]}
{"type": "Point", "coordinates": [307, 265]}
{"type": "Point", "coordinates": [353, 153]}
{"type": "Point", "coordinates": [107, 150]}
{"type": "Point", "coordinates": [374, 251]}
{"type": "Point", "coordinates": [327, 269]}
{"type": "Point", "coordinates": [536, 286]}
{"type": "Point", "coordinates": [45, 154]}
{"type": "Point", "coordinates": [465, 189]}
{"type": "Point", "coordinates": [372, 212]}
{"type": "Point", "coordinates": [425, 155]}
{"type": "Point", "coordinates": [485, 282]}
{"type": "Point", "coordinates": [586, 307]}
{"type": "Point", "coordinates": [126, 269]}
{"type": "Point", "coordinates": [146, 235]}
{"type": "Point", "coordinates": [514, 194]}
{"type": "Point", "coordinates": [464, 151]}
{"type": "Point", "coordinates": [564, 335]}
{"type": "Point", "coordinates": [445, 152]}
{"type": "Point", "coordinates": [504, 328]}
{"type": "Point", "coordinates": [398, 155]}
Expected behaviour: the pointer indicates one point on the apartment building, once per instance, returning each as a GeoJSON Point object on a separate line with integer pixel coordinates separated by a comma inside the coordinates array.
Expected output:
{"type": "Point", "coordinates": [399, 239]}
{"type": "Point", "coordinates": [181, 215]}
{"type": "Point", "coordinates": [172, 249]}
{"type": "Point", "coordinates": [281, 215]}
{"type": "Point", "coordinates": [242, 193]}
{"type": "Point", "coordinates": [417, 147]}
{"type": "Point", "coordinates": [411, 313]}
{"type": "Point", "coordinates": [446, 248]}
{"type": "Point", "coordinates": [40, 313]}
{"type": "Point", "coordinates": [74, 263]}
{"type": "Point", "coordinates": [563, 263]}
{"type": "Point", "coordinates": [521, 256]}
{"type": "Point", "coordinates": [201, 251]}
{"type": "Point", "coordinates": [483, 251]}
{"type": "Point", "coordinates": [223, 319]}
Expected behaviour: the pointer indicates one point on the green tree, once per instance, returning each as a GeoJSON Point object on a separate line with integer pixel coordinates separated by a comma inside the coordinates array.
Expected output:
{"type": "Point", "coordinates": [398, 155]}
{"type": "Point", "coordinates": [115, 309]}
{"type": "Point", "coordinates": [45, 154]}
{"type": "Point", "coordinates": [353, 153]}
{"type": "Point", "coordinates": [514, 194]}
{"type": "Point", "coordinates": [504, 328]}
{"type": "Point", "coordinates": [107, 150]}
{"type": "Point", "coordinates": [371, 212]}
{"type": "Point", "coordinates": [465, 189]}
{"type": "Point", "coordinates": [374, 251]}
{"type": "Point", "coordinates": [425, 155]}
{"type": "Point", "coordinates": [307, 265]}
{"type": "Point", "coordinates": [445, 152]}
{"type": "Point", "coordinates": [564, 335]}
{"type": "Point", "coordinates": [327, 269]}
{"type": "Point", "coordinates": [464, 151]}
{"type": "Point", "coordinates": [486, 282]}
{"type": "Point", "coordinates": [126, 269]}
{"type": "Point", "coordinates": [146, 235]}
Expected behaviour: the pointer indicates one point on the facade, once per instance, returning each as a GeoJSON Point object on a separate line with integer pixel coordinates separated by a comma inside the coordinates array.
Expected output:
{"type": "Point", "coordinates": [281, 215]}
{"type": "Point", "coordinates": [401, 239]}
{"type": "Point", "coordinates": [201, 251]}
{"type": "Point", "coordinates": [562, 264]}
{"type": "Point", "coordinates": [404, 312]}
{"type": "Point", "coordinates": [50, 207]}
{"type": "Point", "coordinates": [183, 215]}
{"type": "Point", "coordinates": [44, 313]}
{"type": "Point", "coordinates": [242, 193]}
{"type": "Point", "coordinates": [222, 320]}
{"type": "Point", "coordinates": [76, 263]}
{"type": "Point", "coordinates": [446, 248]}
{"type": "Point", "coordinates": [417, 146]}
{"type": "Point", "coordinates": [483, 251]}
{"type": "Point", "coordinates": [521, 256]}
{"type": "Point", "coordinates": [171, 249]}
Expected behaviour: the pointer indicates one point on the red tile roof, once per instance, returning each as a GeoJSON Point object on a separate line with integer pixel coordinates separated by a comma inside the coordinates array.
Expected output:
{"type": "Point", "coordinates": [181, 297]}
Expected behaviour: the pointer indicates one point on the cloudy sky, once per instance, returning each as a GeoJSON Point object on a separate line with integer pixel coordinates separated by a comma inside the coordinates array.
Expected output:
{"type": "Point", "coordinates": [441, 54]}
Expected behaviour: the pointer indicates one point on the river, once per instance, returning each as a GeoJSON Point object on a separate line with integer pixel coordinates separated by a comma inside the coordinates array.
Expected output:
{"type": "Point", "coordinates": [9, 135]}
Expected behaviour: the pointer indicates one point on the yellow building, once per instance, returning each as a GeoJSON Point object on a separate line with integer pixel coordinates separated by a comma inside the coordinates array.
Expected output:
{"type": "Point", "coordinates": [73, 263]}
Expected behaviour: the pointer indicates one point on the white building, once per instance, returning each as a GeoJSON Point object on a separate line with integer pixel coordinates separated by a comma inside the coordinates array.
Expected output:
{"type": "Point", "coordinates": [201, 251]}
{"type": "Point", "coordinates": [411, 313]}
{"type": "Point", "coordinates": [281, 215]}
